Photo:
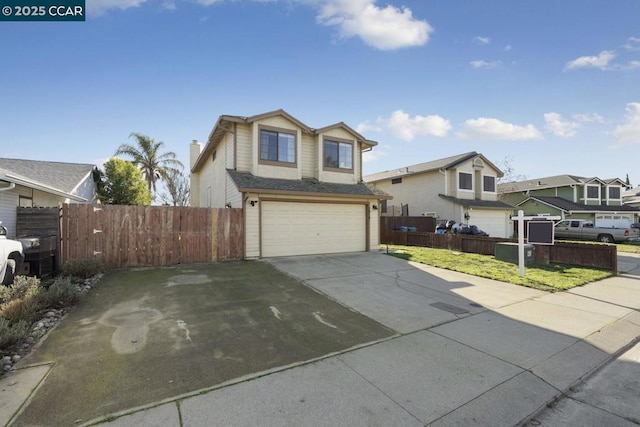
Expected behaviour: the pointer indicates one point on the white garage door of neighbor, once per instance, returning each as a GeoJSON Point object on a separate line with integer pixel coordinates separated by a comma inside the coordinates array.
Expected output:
{"type": "Point", "coordinates": [617, 221]}
{"type": "Point", "coordinates": [290, 228]}
{"type": "Point", "coordinates": [492, 222]}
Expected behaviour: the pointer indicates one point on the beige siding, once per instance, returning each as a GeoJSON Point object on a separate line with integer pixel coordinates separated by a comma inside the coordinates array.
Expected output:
{"type": "Point", "coordinates": [309, 157]}
{"type": "Point", "coordinates": [374, 226]}
{"type": "Point", "coordinates": [8, 204]}
{"type": "Point", "coordinates": [251, 228]}
{"type": "Point", "coordinates": [421, 192]}
{"type": "Point", "coordinates": [244, 150]}
{"type": "Point", "coordinates": [194, 190]}
{"type": "Point", "coordinates": [212, 181]}
{"type": "Point", "coordinates": [229, 156]}
{"type": "Point", "coordinates": [234, 197]}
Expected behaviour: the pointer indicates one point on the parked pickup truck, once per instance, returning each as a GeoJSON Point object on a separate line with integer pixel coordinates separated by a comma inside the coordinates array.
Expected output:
{"type": "Point", "coordinates": [11, 257]}
{"type": "Point", "coordinates": [580, 229]}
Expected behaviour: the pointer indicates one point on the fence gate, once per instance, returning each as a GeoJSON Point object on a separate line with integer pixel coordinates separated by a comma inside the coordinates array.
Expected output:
{"type": "Point", "coordinates": [132, 236]}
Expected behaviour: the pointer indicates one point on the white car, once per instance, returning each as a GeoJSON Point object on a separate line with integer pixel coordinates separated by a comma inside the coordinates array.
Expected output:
{"type": "Point", "coordinates": [11, 257]}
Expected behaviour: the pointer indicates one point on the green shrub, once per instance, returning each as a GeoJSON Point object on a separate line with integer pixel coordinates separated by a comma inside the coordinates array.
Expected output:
{"type": "Point", "coordinates": [62, 293]}
{"type": "Point", "coordinates": [82, 268]}
{"type": "Point", "coordinates": [13, 333]}
{"type": "Point", "coordinates": [23, 287]}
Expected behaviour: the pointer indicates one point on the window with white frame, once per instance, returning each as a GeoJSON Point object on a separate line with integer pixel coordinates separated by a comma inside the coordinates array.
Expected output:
{"type": "Point", "coordinates": [465, 181]}
{"type": "Point", "coordinates": [593, 192]}
{"type": "Point", "coordinates": [489, 184]}
{"type": "Point", "coordinates": [614, 193]}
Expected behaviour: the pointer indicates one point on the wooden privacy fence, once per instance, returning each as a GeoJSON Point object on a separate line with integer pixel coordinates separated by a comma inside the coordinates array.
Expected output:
{"type": "Point", "coordinates": [583, 254]}
{"type": "Point", "coordinates": [135, 236]}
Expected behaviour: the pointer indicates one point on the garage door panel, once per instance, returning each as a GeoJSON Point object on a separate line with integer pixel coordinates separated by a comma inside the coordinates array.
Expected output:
{"type": "Point", "coordinates": [290, 228]}
{"type": "Point", "coordinates": [492, 222]}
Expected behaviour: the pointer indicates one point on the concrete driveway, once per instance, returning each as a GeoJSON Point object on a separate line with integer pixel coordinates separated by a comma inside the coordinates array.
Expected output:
{"type": "Point", "coordinates": [467, 351]}
{"type": "Point", "coordinates": [144, 335]}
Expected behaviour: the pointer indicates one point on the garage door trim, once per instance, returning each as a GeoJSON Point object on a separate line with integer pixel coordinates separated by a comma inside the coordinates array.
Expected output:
{"type": "Point", "coordinates": [364, 203]}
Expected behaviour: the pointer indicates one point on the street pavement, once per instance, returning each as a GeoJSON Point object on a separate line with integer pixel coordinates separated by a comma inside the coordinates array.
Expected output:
{"type": "Point", "coordinates": [467, 351]}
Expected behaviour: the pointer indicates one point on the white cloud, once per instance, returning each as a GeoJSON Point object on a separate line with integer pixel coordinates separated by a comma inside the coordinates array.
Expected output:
{"type": "Point", "coordinates": [169, 5]}
{"type": "Point", "coordinates": [629, 131]}
{"type": "Point", "coordinates": [98, 7]}
{"type": "Point", "coordinates": [600, 62]}
{"type": "Point", "coordinates": [559, 126]}
{"type": "Point", "coordinates": [481, 40]}
{"type": "Point", "coordinates": [588, 118]}
{"type": "Point", "coordinates": [367, 126]}
{"type": "Point", "coordinates": [384, 28]}
{"type": "Point", "coordinates": [488, 128]}
{"type": "Point", "coordinates": [487, 65]}
{"type": "Point", "coordinates": [633, 43]}
{"type": "Point", "coordinates": [375, 154]}
{"type": "Point", "coordinates": [508, 48]}
{"type": "Point", "coordinates": [402, 126]}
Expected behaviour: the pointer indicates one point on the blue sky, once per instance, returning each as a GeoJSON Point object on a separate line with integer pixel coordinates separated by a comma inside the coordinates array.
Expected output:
{"type": "Point", "coordinates": [552, 86]}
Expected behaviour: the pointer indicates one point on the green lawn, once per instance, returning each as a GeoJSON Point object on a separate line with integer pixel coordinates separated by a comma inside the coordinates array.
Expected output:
{"type": "Point", "coordinates": [547, 277]}
{"type": "Point", "coordinates": [633, 248]}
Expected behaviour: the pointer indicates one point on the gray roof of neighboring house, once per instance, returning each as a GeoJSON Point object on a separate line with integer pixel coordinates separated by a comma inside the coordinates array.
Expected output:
{"type": "Point", "coordinates": [246, 182]}
{"type": "Point", "coordinates": [479, 204]}
{"type": "Point", "coordinates": [551, 182]}
{"type": "Point", "coordinates": [60, 176]}
{"type": "Point", "coordinates": [569, 206]}
{"type": "Point", "coordinates": [434, 165]}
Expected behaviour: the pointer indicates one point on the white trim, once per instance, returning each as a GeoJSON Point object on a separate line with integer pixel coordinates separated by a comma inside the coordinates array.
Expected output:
{"type": "Point", "coordinates": [586, 197]}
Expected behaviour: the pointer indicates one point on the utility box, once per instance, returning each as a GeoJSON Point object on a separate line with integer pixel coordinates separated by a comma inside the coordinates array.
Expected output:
{"type": "Point", "coordinates": [507, 251]}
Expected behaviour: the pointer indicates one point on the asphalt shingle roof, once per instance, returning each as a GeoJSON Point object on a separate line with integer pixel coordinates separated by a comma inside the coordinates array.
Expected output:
{"type": "Point", "coordinates": [569, 206]}
{"type": "Point", "coordinates": [433, 165]}
{"type": "Point", "coordinates": [479, 204]}
{"type": "Point", "coordinates": [246, 181]}
{"type": "Point", "coordinates": [549, 182]}
{"type": "Point", "coordinates": [61, 176]}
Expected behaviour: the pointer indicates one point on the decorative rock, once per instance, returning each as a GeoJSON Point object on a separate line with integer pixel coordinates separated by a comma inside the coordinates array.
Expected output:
{"type": "Point", "coordinates": [40, 325]}
{"type": "Point", "coordinates": [30, 340]}
{"type": "Point", "coordinates": [51, 314]}
{"type": "Point", "coordinates": [6, 368]}
{"type": "Point", "coordinates": [15, 358]}
{"type": "Point", "coordinates": [6, 359]}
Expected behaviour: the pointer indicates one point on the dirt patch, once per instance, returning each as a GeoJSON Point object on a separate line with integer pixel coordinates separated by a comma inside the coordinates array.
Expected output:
{"type": "Point", "coordinates": [132, 322]}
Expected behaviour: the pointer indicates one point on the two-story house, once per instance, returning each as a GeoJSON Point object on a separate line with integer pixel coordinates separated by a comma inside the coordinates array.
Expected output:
{"type": "Point", "coordinates": [461, 188]}
{"type": "Point", "coordinates": [569, 196]}
{"type": "Point", "coordinates": [300, 188]}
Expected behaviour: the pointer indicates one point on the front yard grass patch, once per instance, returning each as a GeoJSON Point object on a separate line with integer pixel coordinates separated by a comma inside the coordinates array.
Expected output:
{"type": "Point", "coordinates": [633, 248]}
{"type": "Point", "coordinates": [546, 277]}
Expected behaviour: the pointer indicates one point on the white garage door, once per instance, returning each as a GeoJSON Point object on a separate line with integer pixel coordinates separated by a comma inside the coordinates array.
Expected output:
{"type": "Point", "coordinates": [494, 223]}
{"type": "Point", "coordinates": [290, 228]}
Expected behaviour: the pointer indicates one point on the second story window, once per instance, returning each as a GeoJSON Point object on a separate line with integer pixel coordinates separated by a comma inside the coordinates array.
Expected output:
{"type": "Point", "coordinates": [338, 155]}
{"type": "Point", "coordinates": [489, 184]}
{"type": "Point", "coordinates": [593, 192]}
{"type": "Point", "coordinates": [277, 146]}
{"type": "Point", "coordinates": [614, 193]}
{"type": "Point", "coordinates": [465, 181]}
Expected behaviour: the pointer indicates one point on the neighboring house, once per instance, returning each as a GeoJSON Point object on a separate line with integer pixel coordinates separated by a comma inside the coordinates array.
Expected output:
{"type": "Point", "coordinates": [570, 196]}
{"type": "Point", "coordinates": [32, 183]}
{"type": "Point", "coordinates": [460, 188]}
{"type": "Point", "coordinates": [632, 197]}
{"type": "Point", "coordinates": [300, 188]}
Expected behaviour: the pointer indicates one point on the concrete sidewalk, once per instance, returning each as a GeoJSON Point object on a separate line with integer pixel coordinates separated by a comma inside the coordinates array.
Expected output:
{"type": "Point", "coordinates": [471, 351]}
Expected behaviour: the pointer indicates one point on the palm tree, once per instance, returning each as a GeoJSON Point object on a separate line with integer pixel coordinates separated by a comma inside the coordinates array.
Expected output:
{"type": "Point", "coordinates": [152, 162]}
